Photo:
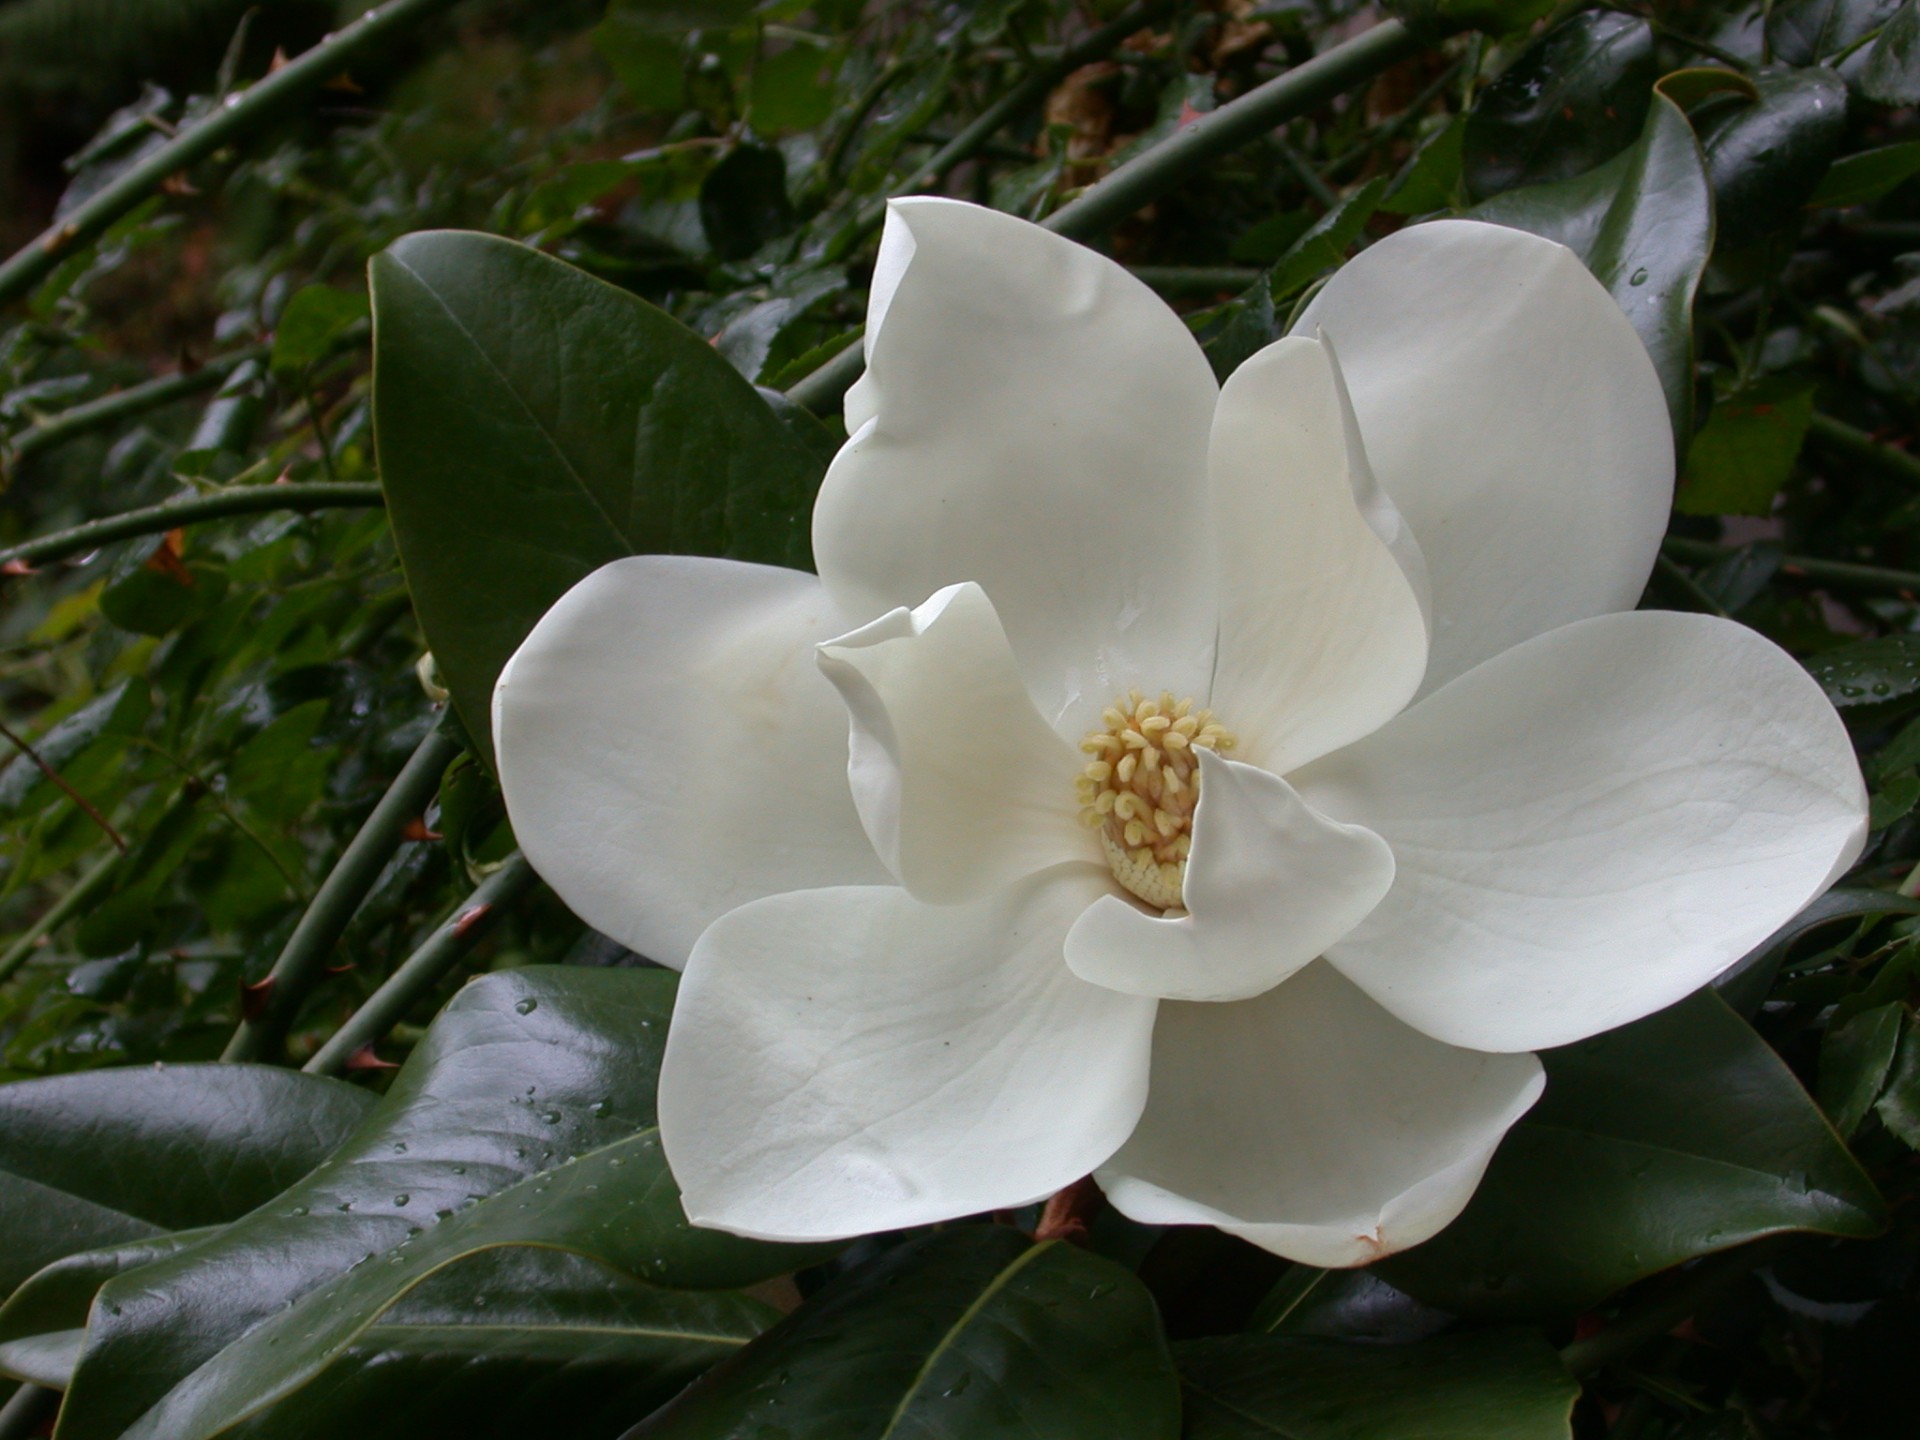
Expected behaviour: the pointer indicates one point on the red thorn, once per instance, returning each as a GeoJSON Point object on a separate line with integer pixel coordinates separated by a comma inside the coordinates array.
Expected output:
{"type": "Point", "coordinates": [345, 969]}
{"type": "Point", "coordinates": [1188, 114]}
{"type": "Point", "coordinates": [467, 919]}
{"type": "Point", "coordinates": [17, 567]}
{"type": "Point", "coordinates": [365, 1059]}
{"type": "Point", "coordinates": [416, 829]}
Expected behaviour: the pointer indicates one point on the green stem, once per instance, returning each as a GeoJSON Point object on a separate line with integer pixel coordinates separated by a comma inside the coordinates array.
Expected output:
{"type": "Point", "coordinates": [1148, 176]}
{"type": "Point", "coordinates": [124, 404]}
{"type": "Point", "coordinates": [1659, 1313]}
{"type": "Point", "coordinates": [1029, 92]}
{"type": "Point", "coordinates": [158, 519]}
{"type": "Point", "coordinates": [1843, 573]}
{"type": "Point", "coordinates": [242, 117]}
{"type": "Point", "coordinates": [57, 914]}
{"type": "Point", "coordinates": [425, 968]}
{"type": "Point", "coordinates": [304, 959]}
{"type": "Point", "coordinates": [30, 1408]}
{"type": "Point", "coordinates": [1837, 435]}
{"type": "Point", "coordinates": [1187, 279]}
{"type": "Point", "coordinates": [1689, 587]}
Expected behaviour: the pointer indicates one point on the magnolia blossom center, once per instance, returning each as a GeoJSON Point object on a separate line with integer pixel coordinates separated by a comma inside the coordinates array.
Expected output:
{"type": "Point", "coordinates": [1141, 786]}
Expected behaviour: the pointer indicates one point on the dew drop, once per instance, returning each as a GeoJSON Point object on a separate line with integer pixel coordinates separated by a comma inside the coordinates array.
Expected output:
{"type": "Point", "coordinates": [402, 1199]}
{"type": "Point", "coordinates": [549, 1117]}
{"type": "Point", "coordinates": [527, 1006]}
{"type": "Point", "coordinates": [297, 1211]}
{"type": "Point", "coordinates": [1639, 277]}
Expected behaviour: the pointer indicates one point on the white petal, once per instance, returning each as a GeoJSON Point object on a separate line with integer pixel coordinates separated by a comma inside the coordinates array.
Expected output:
{"type": "Point", "coordinates": [1591, 826]}
{"type": "Point", "coordinates": [1512, 414]}
{"type": "Point", "coordinates": [961, 785]}
{"type": "Point", "coordinates": [1312, 1123]}
{"type": "Point", "coordinates": [844, 1061]}
{"type": "Point", "coordinates": [669, 751]}
{"type": "Point", "coordinates": [1033, 419]}
{"type": "Point", "coordinates": [1321, 633]}
{"type": "Point", "coordinates": [1270, 884]}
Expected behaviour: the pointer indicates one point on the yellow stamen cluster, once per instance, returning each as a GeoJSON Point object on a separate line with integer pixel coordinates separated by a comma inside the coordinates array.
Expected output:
{"type": "Point", "coordinates": [1141, 786]}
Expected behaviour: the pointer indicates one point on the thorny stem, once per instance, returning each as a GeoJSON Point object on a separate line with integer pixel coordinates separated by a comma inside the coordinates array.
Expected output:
{"type": "Point", "coordinates": [426, 967]}
{"type": "Point", "coordinates": [158, 519]}
{"type": "Point", "coordinates": [239, 118]}
{"type": "Point", "coordinates": [1148, 176]}
{"type": "Point", "coordinates": [304, 958]}
{"type": "Point", "coordinates": [64, 425]}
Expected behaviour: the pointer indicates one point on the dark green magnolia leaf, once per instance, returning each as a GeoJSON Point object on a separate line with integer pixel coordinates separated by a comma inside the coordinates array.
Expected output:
{"type": "Point", "coordinates": [1860, 179]}
{"type": "Point", "coordinates": [1767, 157]}
{"type": "Point", "coordinates": [1899, 1106]}
{"type": "Point", "coordinates": [1892, 75]}
{"type": "Point", "coordinates": [743, 201]}
{"type": "Point", "coordinates": [1643, 223]}
{"type": "Point", "coordinates": [1801, 32]}
{"type": "Point", "coordinates": [534, 424]}
{"type": "Point", "coordinates": [1473, 1386]}
{"type": "Point", "coordinates": [1740, 458]}
{"type": "Point", "coordinates": [55, 1299]}
{"type": "Point", "coordinates": [109, 1156]}
{"type": "Point", "coordinates": [314, 318]}
{"type": "Point", "coordinates": [1855, 1057]}
{"type": "Point", "coordinates": [506, 1341]}
{"type": "Point", "coordinates": [1868, 672]}
{"type": "Point", "coordinates": [974, 1331]}
{"type": "Point", "coordinates": [1894, 800]}
{"type": "Point", "coordinates": [1345, 1305]}
{"type": "Point", "coordinates": [1674, 1136]}
{"type": "Point", "coordinates": [1574, 98]}
{"type": "Point", "coordinates": [525, 1117]}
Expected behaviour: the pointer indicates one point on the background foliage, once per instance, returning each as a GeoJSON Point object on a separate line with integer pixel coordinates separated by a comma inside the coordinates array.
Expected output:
{"type": "Point", "coordinates": [243, 821]}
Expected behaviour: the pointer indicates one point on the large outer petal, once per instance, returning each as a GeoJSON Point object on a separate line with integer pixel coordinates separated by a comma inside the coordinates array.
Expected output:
{"type": "Point", "coordinates": [844, 1061]}
{"type": "Point", "coordinates": [1312, 1123]}
{"type": "Point", "coordinates": [1321, 633]}
{"type": "Point", "coordinates": [962, 787]}
{"type": "Point", "coordinates": [1512, 414]}
{"type": "Point", "coordinates": [1270, 885]}
{"type": "Point", "coordinates": [1035, 420]}
{"type": "Point", "coordinates": [1591, 826]}
{"type": "Point", "coordinates": [669, 750]}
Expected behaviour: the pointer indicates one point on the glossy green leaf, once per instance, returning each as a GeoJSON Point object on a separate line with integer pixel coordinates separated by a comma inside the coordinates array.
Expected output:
{"type": "Point", "coordinates": [1326, 242]}
{"type": "Point", "coordinates": [1860, 179]}
{"type": "Point", "coordinates": [1674, 1136]}
{"type": "Point", "coordinates": [108, 1156]}
{"type": "Point", "coordinates": [1643, 223]}
{"type": "Point", "coordinates": [314, 319]}
{"type": "Point", "coordinates": [1574, 98]}
{"type": "Point", "coordinates": [1766, 158]}
{"type": "Point", "coordinates": [112, 716]}
{"type": "Point", "coordinates": [535, 423]}
{"type": "Point", "coordinates": [1434, 180]}
{"type": "Point", "coordinates": [1740, 458]}
{"type": "Point", "coordinates": [1801, 32]}
{"type": "Point", "coordinates": [55, 1299]}
{"type": "Point", "coordinates": [1867, 672]}
{"type": "Point", "coordinates": [1471, 1386]}
{"type": "Point", "coordinates": [504, 1342]}
{"type": "Point", "coordinates": [974, 1331]}
{"type": "Point", "coordinates": [1894, 800]}
{"type": "Point", "coordinates": [153, 589]}
{"type": "Point", "coordinates": [1856, 1055]}
{"type": "Point", "coordinates": [524, 1117]}
{"type": "Point", "coordinates": [1745, 983]}
{"type": "Point", "coordinates": [1892, 75]}
{"type": "Point", "coordinates": [1899, 1106]}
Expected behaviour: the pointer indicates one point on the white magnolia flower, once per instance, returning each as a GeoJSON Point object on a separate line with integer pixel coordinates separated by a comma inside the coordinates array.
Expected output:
{"type": "Point", "coordinates": [1456, 799]}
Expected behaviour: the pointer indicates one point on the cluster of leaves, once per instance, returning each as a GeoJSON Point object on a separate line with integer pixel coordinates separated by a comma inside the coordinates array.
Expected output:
{"type": "Point", "coordinates": [208, 715]}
